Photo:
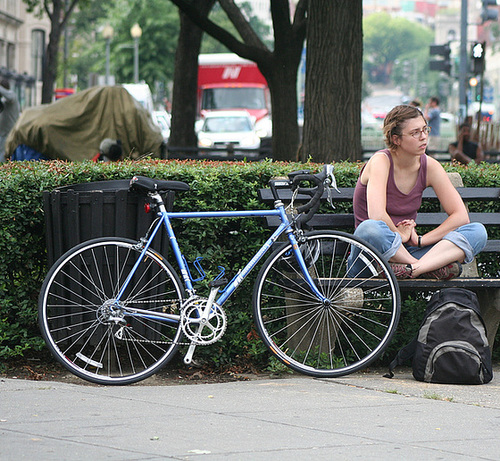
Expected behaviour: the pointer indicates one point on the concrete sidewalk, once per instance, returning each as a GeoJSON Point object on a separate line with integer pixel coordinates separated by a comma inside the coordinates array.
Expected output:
{"type": "Point", "coordinates": [362, 416]}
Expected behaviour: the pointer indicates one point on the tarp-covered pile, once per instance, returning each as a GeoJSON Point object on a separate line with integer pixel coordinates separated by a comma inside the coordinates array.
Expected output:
{"type": "Point", "coordinates": [72, 128]}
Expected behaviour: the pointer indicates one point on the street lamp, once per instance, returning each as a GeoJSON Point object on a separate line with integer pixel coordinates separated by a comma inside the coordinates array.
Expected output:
{"type": "Point", "coordinates": [136, 33]}
{"type": "Point", "coordinates": [107, 33]}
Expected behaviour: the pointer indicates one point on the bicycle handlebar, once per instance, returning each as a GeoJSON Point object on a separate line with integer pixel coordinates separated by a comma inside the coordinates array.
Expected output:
{"type": "Point", "coordinates": [320, 180]}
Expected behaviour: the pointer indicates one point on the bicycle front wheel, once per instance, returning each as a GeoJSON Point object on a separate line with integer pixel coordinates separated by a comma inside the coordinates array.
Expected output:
{"type": "Point", "coordinates": [94, 335]}
{"type": "Point", "coordinates": [346, 332]}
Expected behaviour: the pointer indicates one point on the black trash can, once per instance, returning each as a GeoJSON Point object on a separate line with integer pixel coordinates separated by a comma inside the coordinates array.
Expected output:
{"type": "Point", "coordinates": [80, 212]}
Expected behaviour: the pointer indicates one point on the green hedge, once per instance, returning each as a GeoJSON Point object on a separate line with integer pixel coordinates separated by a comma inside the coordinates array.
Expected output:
{"type": "Point", "coordinates": [227, 242]}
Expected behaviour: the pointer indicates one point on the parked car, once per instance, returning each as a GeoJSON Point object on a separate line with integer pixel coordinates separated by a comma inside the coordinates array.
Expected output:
{"type": "Point", "coordinates": [162, 118]}
{"type": "Point", "coordinates": [227, 132]}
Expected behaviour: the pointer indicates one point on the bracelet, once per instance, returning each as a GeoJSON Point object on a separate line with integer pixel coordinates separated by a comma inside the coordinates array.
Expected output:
{"type": "Point", "coordinates": [420, 241]}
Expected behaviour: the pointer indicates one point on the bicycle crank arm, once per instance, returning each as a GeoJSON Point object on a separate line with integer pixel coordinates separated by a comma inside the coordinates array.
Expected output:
{"type": "Point", "coordinates": [188, 358]}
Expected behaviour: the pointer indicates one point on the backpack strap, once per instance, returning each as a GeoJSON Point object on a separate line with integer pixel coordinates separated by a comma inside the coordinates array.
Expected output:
{"type": "Point", "coordinates": [404, 354]}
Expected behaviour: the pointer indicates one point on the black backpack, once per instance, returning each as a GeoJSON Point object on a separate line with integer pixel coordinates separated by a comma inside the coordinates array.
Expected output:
{"type": "Point", "coordinates": [451, 346]}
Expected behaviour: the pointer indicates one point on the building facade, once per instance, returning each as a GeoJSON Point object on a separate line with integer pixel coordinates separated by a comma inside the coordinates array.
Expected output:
{"type": "Point", "coordinates": [23, 40]}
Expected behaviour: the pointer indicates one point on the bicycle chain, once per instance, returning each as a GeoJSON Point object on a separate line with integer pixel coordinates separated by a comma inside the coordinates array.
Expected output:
{"type": "Point", "coordinates": [165, 302]}
{"type": "Point", "coordinates": [148, 341]}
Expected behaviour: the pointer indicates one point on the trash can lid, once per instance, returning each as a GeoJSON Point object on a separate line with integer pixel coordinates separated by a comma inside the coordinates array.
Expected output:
{"type": "Point", "coordinates": [113, 185]}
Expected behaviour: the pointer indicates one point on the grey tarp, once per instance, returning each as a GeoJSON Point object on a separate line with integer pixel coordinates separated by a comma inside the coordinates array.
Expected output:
{"type": "Point", "coordinates": [73, 127]}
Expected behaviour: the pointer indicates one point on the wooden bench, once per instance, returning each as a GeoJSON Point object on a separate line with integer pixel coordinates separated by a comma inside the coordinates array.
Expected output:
{"type": "Point", "coordinates": [487, 289]}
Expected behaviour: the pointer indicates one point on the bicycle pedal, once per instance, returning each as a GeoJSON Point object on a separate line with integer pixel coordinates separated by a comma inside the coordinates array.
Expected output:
{"type": "Point", "coordinates": [217, 283]}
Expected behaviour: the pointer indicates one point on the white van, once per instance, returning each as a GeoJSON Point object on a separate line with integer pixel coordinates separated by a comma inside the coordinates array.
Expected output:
{"type": "Point", "coordinates": [142, 93]}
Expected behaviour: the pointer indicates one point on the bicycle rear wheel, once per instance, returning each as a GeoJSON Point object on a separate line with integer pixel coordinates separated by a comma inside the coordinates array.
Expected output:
{"type": "Point", "coordinates": [344, 334]}
{"type": "Point", "coordinates": [98, 338]}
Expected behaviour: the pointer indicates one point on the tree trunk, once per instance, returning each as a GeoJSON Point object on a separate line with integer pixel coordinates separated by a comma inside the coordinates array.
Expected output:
{"type": "Point", "coordinates": [185, 90]}
{"type": "Point", "coordinates": [282, 81]}
{"type": "Point", "coordinates": [49, 72]}
{"type": "Point", "coordinates": [332, 107]}
{"type": "Point", "coordinates": [184, 93]}
{"type": "Point", "coordinates": [279, 67]}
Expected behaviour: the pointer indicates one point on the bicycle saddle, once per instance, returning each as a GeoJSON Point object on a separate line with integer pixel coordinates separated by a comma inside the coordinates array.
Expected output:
{"type": "Point", "coordinates": [144, 184]}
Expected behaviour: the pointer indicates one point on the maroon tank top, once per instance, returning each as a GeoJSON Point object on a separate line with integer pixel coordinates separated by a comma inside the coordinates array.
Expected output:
{"type": "Point", "coordinates": [399, 206]}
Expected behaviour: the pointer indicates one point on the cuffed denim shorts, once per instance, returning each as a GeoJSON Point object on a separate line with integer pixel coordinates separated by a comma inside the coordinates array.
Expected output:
{"type": "Point", "coordinates": [470, 238]}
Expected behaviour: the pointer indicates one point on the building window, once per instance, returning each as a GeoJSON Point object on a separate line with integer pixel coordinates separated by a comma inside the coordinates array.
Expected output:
{"type": "Point", "coordinates": [11, 55]}
{"type": "Point", "coordinates": [37, 53]}
{"type": "Point", "coordinates": [3, 60]}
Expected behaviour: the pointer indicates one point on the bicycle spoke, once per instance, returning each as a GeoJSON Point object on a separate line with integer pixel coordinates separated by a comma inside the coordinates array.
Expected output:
{"type": "Point", "coordinates": [98, 337]}
{"type": "Point", "coordinates": [346, 333]}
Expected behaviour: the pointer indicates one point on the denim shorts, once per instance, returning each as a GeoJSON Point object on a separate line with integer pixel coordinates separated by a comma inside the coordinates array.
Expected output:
{"type": "Point", "coordinates": [470, 238]}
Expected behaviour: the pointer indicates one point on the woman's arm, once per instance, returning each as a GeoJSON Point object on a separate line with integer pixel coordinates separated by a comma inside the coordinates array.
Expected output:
{"type": "Point", "coordinates": [450, 200]}
{"type": "Point", "coordinates": [375, 176]}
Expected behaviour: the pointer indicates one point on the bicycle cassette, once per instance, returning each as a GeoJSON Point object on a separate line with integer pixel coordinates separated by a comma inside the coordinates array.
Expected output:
{"type": "Point", "coordinates": [203, 331]}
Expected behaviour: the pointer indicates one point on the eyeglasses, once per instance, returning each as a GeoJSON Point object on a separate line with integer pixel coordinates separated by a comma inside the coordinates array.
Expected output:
{"type": "Point", "coordinates": [417, 133]}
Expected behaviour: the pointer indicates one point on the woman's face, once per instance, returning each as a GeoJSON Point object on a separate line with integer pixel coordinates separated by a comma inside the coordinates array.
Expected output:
{"type": "Point", "coordinates": [414, 136]}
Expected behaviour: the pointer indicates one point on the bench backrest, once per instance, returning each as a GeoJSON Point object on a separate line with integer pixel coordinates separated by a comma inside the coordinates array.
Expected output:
{"type": "Point", "coordinates": [346, 220]}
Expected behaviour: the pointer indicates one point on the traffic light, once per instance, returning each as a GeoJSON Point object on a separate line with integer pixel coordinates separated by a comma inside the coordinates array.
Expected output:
{"type": "Point", "coordinates": [488, 14]}
{"type": "Point", "coordinates": [443, 64]}
{"type": "Point", "coordinates": [478, 52]}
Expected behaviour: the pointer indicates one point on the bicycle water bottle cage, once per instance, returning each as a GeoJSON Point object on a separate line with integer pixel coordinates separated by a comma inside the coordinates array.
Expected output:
{"type": "Point", "coordinates": [197, 265]}
{"type": "Point", "coordinates": [220, 280]}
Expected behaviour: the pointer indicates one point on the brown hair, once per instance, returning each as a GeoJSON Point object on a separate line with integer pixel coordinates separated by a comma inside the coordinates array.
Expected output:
{"type": "Point", "coordinates": [394, 120]}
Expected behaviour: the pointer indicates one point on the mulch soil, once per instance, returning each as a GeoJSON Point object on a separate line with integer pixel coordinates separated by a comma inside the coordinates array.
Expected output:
{"type": "Point", "coordinates": [44, 368]}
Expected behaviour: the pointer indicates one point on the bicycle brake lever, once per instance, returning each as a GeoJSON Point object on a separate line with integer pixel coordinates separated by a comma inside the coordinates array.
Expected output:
{"type": "Point", "coordinates": [330, 182]}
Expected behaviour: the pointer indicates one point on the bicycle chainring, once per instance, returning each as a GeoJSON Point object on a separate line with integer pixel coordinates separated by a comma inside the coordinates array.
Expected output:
{"type": "Point", "coordinates": [201, 332]}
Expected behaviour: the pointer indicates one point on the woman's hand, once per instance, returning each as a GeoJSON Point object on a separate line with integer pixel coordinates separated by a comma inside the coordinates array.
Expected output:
{"type": "Point", "coordinates": [406, 229]}
{"type": "Point", "coordinates": [413, 238]}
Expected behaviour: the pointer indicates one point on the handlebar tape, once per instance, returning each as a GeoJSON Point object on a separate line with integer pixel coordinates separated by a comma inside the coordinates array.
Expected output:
{"type": "Point", "coordinates": [318, 180]}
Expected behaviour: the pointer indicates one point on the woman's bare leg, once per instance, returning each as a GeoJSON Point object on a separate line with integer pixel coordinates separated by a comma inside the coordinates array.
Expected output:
{"type": "Point", "coordinates": [442, 253]}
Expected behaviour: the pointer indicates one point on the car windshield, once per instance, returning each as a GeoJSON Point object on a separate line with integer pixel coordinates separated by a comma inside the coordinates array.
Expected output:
{"type": "Point", "coordinates": [233, 98]}
{"type": "Point", "coordinates": [227, 124]}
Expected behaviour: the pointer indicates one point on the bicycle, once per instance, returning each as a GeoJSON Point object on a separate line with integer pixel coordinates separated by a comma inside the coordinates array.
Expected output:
{"type": "Point", "coordinates": [114, 311]}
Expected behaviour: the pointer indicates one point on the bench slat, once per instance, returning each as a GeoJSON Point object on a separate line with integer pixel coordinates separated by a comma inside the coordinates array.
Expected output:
{"type": "Point", "coordinates": [346, 193]}
{"type": "Point", "coordinates": [343, 221]}
{"type": "Point", "coordinates": [460, 282]}
{"type": "Point", "coordinates": [333, 220]}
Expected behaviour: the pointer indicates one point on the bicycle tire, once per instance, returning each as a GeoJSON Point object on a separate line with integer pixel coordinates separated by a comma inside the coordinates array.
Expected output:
{"type": "Point", "coordinates": [89, 333]}
{"type": "Point", "coordinates": [333, 339]}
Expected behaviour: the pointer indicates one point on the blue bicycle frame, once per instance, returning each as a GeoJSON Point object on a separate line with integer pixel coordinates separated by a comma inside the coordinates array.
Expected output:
{"type": "Point", "coordinates": [285, 226]}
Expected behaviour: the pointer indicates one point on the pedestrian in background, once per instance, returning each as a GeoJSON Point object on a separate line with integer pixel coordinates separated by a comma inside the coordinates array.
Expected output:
{"type": "Point", "coordinates": [432, 114]}
{"type": "Point", "coordinates": [110, 150]}
{"type": "Point", "coordinates": [464, 150]}
{"type": "Point", "coordinates": [9, 113]}
{"type": "Point", "coordinates": [415, 103]}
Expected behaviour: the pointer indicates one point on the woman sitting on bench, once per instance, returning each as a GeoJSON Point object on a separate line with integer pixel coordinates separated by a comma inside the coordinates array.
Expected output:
{"type": "Point", "coordinates": [388, 195]}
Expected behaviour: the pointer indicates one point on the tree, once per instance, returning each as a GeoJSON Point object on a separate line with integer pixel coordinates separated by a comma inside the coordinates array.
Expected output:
{"type": "Point", "coordinates": [59, 12]}
{"type": "Point", "coordinates": [159, 22]}
{"type": "Point", "coordinates": [278, 66]}
{"type": "Point", "coordinates": [85, 51]}
{"type": "Point", "coordinates": [389, 39]}
{"type": "Point", "coordinates": [186, 78]}
{"type": "Point", "coordinates": [332, 107]}
{"type": "Point", "coordinates": [217, 15]}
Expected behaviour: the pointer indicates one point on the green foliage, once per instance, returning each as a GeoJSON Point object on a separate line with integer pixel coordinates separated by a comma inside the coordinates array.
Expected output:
{"type": "Point", "coordinates": [219, 17]}
{"type": "Point", "coordinates": [226, 242]}
{"type": "Point", "coordinates": [159, 21]}
{"type": "Point", "coordinates": [388, 42]}
{"type": "Point", "coordinates": [214, 185]}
